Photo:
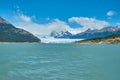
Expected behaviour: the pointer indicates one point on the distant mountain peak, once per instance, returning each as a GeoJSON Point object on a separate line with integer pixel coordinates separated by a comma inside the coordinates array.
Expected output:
{"type": "Point", "coordinates": [106, 31]}
{"type": "Point", "coordinates": [61, 34]}
{"type": "Point", "coordinates": [88, 30]}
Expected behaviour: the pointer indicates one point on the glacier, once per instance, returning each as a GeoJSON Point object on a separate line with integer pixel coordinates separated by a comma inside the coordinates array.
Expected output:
{"type": "Point", "coordinates": [58, 40]}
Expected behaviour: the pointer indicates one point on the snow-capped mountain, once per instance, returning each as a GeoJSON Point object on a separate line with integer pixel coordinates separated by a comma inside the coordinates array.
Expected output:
{"type": "Point", "coordinates": [61, 34]}
{"type": "Point", "coordinates": [88, 33]}
{"type": "Point", "coordinates": [98, 33]}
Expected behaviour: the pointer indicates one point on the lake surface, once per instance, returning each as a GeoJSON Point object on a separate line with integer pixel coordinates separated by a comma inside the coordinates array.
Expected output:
{"type": "Point", "coordinates": [59, 62]}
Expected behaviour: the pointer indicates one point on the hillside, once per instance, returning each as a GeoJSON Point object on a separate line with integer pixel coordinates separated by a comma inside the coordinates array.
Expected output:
{"type": "Point", "coordinates": [112, 39]}
{"type": "Point", "coordinates": [9, 33]}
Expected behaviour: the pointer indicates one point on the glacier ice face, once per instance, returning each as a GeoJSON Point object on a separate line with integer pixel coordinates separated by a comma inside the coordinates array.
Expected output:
{"type": "Point", "coordinates": [54, 40]}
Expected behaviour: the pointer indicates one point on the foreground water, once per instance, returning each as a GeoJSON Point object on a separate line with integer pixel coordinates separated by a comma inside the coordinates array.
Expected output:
{"type": "Point", "coordinates": [59, 62]}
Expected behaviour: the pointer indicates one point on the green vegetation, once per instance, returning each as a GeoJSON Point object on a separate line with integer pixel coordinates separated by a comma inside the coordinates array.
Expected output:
{"type": "Point", "coordinates": [112, 39]}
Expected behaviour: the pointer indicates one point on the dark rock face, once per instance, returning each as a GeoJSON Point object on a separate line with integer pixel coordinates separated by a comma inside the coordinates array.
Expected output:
{"type": "Point", "coordinates": [9, 33]}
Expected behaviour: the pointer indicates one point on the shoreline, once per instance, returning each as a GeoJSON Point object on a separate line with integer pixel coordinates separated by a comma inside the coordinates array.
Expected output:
{"type": "Point", "coordinates": [109, 40]}
{"type": "Point", "coordinates": [20, 42]}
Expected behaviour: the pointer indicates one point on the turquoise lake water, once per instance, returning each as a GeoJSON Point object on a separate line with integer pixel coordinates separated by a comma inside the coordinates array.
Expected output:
{"type": "Point", "coordinates": [59, 62]}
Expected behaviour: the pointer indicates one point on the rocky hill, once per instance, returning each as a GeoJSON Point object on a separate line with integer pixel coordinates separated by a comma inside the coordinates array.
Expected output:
{"type": "Point", "coordinates": [112, 39]}
{"type": "Point", "coordinates": [9, 33]}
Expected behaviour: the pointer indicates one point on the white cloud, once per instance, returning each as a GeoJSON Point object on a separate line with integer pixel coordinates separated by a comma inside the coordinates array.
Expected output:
{"type": "Point", "coordinates": [39, 29]}
{"type": "Point", "coordinates": [25, 18]}
{"type": "Point", "coordinates": [27, 23]}
{"type": "Point", "coordinates": [111, 13]}
{"type": "Point", "coordinates": [91, 23]}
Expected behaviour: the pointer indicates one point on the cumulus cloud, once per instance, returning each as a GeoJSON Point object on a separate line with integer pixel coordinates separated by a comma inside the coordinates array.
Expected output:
{"type": "Point", "coordinates": [40, 30]}
{"type": "Point", "coordinates": [111, 13]}
{"type": "Point", "coordinates": [25, 18]}
{"type": "Point", "coordinates": [91, 23]}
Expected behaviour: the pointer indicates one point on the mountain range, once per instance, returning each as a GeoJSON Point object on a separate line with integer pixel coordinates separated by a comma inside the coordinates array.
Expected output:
{"type": "Point", "coordinates": [9, 33]}
{"type": "Point", "coordinates": [88, 34]}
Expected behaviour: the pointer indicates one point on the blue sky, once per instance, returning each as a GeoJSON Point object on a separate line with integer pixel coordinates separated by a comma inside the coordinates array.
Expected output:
{"type": "Point", "coordinates": [62, 9]}
{"type": "Point", "coordinates": [45, 11]}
